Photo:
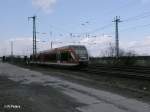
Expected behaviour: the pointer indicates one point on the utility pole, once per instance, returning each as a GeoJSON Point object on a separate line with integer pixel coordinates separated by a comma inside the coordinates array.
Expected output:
{"type": "Point", "coordinates": [11, 48]}
{"type": "Point", "coordinates": [116, 21]}
{"type": "Point", "coordinates": [51, 44]}
{"type": "Point", "coordinates": [51, 40]}
{"type": "Point", "coordinates": [34, 36]}
{"type": "Point", "coordinates": [11, 45]}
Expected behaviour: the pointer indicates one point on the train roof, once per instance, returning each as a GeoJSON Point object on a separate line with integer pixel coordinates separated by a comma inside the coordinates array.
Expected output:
{"type": "Point", "coordinates": [63, 47]}
{"type": "Point", "coordinates": [73, 46]}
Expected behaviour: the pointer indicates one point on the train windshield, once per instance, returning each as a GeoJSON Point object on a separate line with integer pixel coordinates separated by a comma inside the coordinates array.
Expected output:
{"type": "Point", "coordinates": [81, 51]}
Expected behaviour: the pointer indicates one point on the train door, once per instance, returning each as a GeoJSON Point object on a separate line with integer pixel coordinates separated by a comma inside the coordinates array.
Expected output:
{"type": "Point", "coordinates": [58, 55]}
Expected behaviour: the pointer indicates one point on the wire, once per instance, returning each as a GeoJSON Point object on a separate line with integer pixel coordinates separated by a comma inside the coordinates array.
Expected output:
{"type": "Point", "coordinates": [108, 25]}
{"type": "Point", "coordinates": [120, 7]}
{"type": "Point", "coordinates": [101, 28]}
{"type": "Point", "coordinates": [138, 17]}
{"type": "Point", "coordinates": [59, 29]}
{"type": "Point", "coordinates": [135, 27]}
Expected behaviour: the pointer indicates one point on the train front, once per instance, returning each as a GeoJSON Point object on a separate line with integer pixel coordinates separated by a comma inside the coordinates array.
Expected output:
{"type": "Point", "coordinates": [82, 54]}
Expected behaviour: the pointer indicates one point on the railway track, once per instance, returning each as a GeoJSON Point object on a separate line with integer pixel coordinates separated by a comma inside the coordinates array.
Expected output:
{"type": "Point", "coordinates": [135, 72]}
{"type": "Point", "coordinates": [119, 71]}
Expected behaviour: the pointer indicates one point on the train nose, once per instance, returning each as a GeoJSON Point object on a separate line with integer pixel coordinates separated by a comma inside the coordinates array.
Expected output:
{"type": "Point", "coordinates": [83, 61]}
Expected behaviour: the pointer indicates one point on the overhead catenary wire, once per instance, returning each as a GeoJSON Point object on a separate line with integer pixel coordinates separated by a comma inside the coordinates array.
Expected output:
{"type": "Point", "coordinates": [61, 30]}
{"type": "Point", "coordinates": [135, 27]}
{"type": "Point", "coordinates": [89, 33]}
{"type": "Point", "coordinates": [101, 28]}
{"type": "Point", "coordinates": [120, 7]}
{"type": "Point", "coordinates": [134, 18]}
{"type": "Point", "coordinates": [98, 29]}
{"type": "Point", "coordinates": [107, 13]}
{"type": "Point", "coordinates": [138, 17]}
{"type": "Point", "coordinates": [76, 34]}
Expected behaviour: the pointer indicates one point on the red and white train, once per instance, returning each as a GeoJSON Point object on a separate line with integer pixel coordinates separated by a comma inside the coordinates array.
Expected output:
{"type": "Point", "coordinates": [71, 55]}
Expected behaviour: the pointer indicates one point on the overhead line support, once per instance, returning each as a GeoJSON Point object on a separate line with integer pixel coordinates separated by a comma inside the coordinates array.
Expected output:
{"type": "Point", "coordinates": [116, 21]}
{"type": "Point", "coordinates": [34, 36]}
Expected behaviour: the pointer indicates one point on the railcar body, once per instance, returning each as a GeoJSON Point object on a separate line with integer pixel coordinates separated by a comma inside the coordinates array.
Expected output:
{"type": "Point", "coordinates": [72, 55]}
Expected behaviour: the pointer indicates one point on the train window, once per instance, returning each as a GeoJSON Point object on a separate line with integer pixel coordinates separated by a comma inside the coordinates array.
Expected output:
{"type": "Point", "coordinates": [64, 56]}
{"type": "Point", "coordinates": [80, 50]}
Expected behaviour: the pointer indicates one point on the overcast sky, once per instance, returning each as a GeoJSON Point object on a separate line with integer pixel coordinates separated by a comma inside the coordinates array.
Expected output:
{"type": "Point", "coordinates": [57, 19]}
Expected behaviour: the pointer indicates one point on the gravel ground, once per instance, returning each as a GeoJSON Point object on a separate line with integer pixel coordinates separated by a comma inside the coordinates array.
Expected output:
{"type": "Point", "coordinates": [34, 91]}
{"type": "Point", "coordinates": [33, 98]}
{"type": "Point", "coordinates": [132, 88]}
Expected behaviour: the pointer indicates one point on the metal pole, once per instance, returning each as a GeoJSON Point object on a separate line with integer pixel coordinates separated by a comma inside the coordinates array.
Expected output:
{"type": "Point", "coordinates": [11, 48]}
{"type": "Point", "coordinates": [51, 44]}
{"type": "Point", "coordinates": [11, 51]}
{"type": "Point", "coordinates": [51, 40]}
{"type": "Point", "coordinates": [117, 20]}
{"type": "Point", "coordinates": [34, 36]}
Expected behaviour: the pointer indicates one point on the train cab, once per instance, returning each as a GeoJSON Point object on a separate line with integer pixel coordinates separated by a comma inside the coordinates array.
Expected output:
{"type": "Point", "coordinates": [81, 53]}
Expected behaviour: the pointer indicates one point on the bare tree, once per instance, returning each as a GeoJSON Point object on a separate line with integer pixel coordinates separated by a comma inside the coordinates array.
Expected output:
{"type": "Point", "coordinates": [110, 51]}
